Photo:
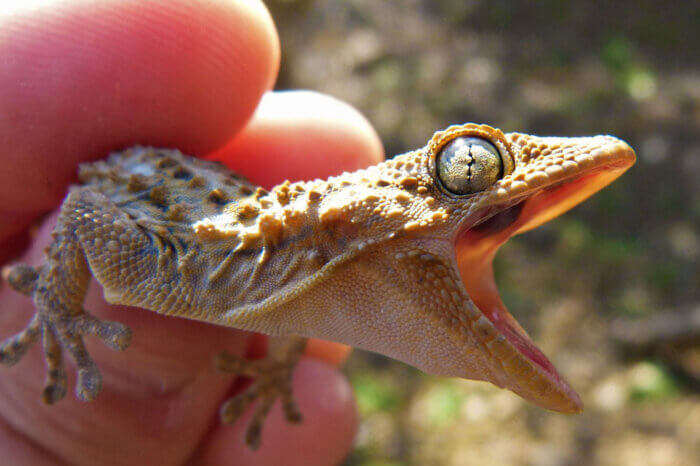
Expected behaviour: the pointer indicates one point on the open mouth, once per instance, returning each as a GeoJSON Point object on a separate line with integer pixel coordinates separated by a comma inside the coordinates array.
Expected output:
{"type": "Point", "coordinates": [476, 246]}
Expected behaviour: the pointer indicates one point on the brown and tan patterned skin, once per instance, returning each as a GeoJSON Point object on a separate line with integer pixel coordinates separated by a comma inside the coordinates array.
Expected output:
{"type": "Point", "coordinates": [385, 258]}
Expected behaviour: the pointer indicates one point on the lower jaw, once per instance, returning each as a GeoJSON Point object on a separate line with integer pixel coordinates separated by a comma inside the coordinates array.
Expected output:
{"type": "Point", "coordinates": [476, 247]}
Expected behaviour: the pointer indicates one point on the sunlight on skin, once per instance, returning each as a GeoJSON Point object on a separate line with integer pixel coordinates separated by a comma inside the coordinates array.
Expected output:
{"type": "Point", "coordinates": [10, 7]}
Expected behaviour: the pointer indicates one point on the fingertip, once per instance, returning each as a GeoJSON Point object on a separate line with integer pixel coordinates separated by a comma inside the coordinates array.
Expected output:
{"type": "Point", "coordinates": [80, 79]}
{"type": "Point", "coordinates": [324, 436]}
{"type": "Point", "coordinates": [301, 135]}
{"type": "Point", "coordinates": [328, 351]}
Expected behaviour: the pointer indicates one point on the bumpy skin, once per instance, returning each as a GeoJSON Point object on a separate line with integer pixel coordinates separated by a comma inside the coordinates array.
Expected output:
{"type": "Point", "coordinates": [384, 258]}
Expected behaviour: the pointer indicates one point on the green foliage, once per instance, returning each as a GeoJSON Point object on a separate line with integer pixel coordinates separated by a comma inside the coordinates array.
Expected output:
{"type": "Point", "coordinates": [651, 382]}
{"type": "Point", "coordinates": [616, 250]}
{"type": "Point", "coordinates": [617, 54]}
{"type": "Point", "coordinates": [443, 403]}
{"type": "Point", "coordinates": [632, 75]}
{"type": "Point", "coordinates": [578, 240]}
{"type": "Point", "coordinates": [575, 237]}
{"type": "Point", "coordinates": [663, 277]}
{"type": "Point", "coordinates": [381, 463]}
{"type": "Point", "coordinates": [374, 395]}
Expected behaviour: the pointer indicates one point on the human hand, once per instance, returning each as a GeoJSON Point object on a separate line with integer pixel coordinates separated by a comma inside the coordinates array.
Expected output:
{"type": "Point", "coordinates": [79, 79]}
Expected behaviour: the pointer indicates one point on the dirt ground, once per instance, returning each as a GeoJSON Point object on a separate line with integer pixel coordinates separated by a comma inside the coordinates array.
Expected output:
{"type": "Point", "coordinates": [611, 290]}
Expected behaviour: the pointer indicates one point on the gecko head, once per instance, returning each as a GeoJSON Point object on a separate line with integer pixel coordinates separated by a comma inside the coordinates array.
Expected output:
{"type": "Point", "coordinates": [475, 188]}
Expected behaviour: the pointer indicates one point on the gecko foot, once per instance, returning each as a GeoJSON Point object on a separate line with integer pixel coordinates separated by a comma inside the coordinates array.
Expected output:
{"type": "Point", "coordinates": [273, 379]}
{"type": "Point", "coordinates": [60, 329]}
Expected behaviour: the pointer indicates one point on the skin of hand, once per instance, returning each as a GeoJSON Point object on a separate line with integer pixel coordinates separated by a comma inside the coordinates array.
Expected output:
{"type": "Point", "coordinates": [80, 79]}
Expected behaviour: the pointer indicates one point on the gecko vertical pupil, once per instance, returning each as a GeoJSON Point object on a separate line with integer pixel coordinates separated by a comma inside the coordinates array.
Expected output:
{"type": "Point", "coordinates": [467, 165]}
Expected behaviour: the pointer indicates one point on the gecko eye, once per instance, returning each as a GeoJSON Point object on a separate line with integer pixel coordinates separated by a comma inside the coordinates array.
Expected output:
{"type": "Point", "coordinates": [467, 165]}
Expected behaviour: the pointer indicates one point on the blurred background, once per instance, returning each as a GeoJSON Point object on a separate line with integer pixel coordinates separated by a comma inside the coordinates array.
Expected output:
{"type": "Point", "coordinates": [611, 290]}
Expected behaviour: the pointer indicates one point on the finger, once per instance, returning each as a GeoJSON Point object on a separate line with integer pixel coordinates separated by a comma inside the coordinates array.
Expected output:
{"type": "Point", "coordinates": [79, 79]}
{"type": "Point", "coordinates": [15, 446]}
{"type": "Point", "coordinates": [331, 353]}
{"type": "Point", "coordinates": [165, 373]}
{"type": "Point", "coordinates": [17, 238]}
{"type": "Point", "coordinates": [327, 351]}
{"type": "Point", "coordinates": [300, 135]}
{"type": "Point", "coordinates": [323, 437]}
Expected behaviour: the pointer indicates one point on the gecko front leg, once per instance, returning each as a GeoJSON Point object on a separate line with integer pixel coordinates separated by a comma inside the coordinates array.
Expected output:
{"type": "Point", "coordinates": [58, 288]}
{"type": "Point", "coordinates": [273, 379]}
{"type": "Point", "coordinates": [95, 237]}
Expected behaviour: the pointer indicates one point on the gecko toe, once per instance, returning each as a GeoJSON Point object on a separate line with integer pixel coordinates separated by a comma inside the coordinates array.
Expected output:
{"type": "Point", "coordinates": [252, 435]}
{"type": "Point", "coordinates": [117, 335]}
{"type": "Point", "coordinates": [273, 380]}
{"type": "Point", "coordinates": [89, 383]}
{"type": "Point", "coordinates": [57, 335]}
{"type": "Point", "coordinates": [233, 364]}
{"type": "Point", "coordinates": [56, 386]}
{"type": "Point", "coordinates": [234, 407]}
{"type": "Point", "coordinates": [61, 328]}
{"type": "Point", "coordinates": [89, 379]}
{"type": "Point", "coordinates": [290, 408]}
{"type": "Point", "coordinates": [15, 347]}
{"type": "Point", "coordinates": [22, 278]}
{"type": "Point", "coordinates": [114, 334]}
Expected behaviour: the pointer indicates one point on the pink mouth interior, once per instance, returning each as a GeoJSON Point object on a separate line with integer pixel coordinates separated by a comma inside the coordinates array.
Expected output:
{"type": "Point", "coordinates": [476, 247]}
{"type": "Point", "coordinates": [478, 279]}
{"type": "Point", "coordinates": [521, 342]}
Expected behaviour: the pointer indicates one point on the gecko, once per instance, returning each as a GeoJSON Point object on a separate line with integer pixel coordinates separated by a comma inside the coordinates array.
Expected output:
{"type": "Point", "coordinates": [395, 258]}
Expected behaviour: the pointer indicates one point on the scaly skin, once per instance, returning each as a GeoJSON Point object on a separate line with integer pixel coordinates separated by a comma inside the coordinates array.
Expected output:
{"type": "Point", "coordinates": [388, 258]}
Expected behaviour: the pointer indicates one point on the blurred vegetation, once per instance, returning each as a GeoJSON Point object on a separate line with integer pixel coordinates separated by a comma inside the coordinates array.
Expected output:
{"type": "Point", "coordinates": [629, 68]}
